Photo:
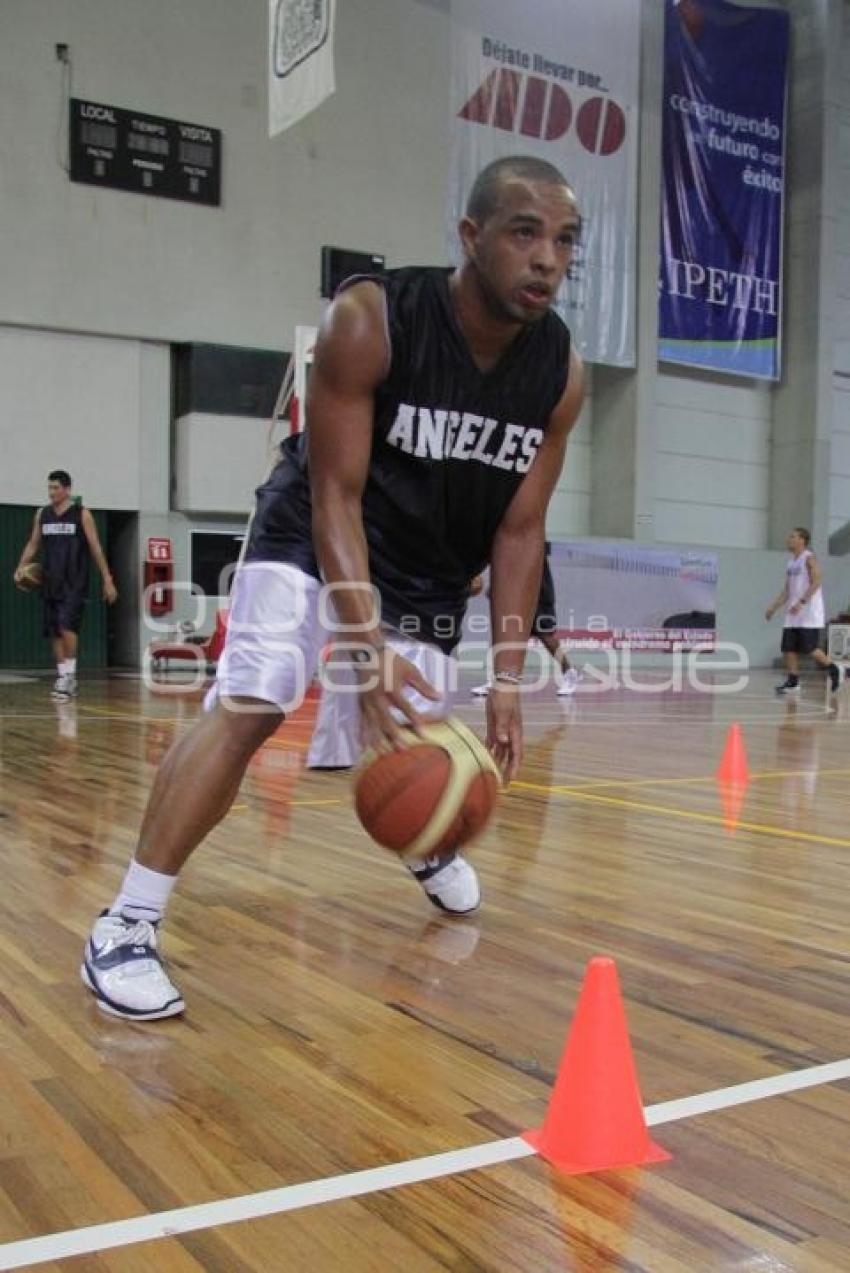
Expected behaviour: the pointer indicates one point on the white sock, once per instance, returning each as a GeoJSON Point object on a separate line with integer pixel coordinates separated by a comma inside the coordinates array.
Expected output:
{"type": "Point", "coordinates": [60, 668]}
{"type": "Point", "coordinates": [144, 893]}
{"type": "Point", "coordinates": [70, 667]}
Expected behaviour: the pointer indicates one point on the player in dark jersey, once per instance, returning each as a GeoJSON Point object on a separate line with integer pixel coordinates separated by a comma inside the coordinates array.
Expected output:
{"type": "Point", "coordinates": [66, 536]}
{"type": "Point", "coordinates": [437, 417]}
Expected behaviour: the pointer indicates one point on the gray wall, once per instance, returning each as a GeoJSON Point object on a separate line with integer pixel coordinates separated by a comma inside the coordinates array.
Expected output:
{"type": "Point", "coordinates": [83, 403]}
{"type": "Point", "coordinates": [79, 258]}
{"type": "Point", "coordinates": [838, 123]}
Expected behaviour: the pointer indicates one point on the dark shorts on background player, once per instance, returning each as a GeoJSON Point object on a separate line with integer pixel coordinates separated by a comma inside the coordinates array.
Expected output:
{"type": "Point", "coordinates": [63, 614]}
{"type": "Point", "coordinates": [800, 640]}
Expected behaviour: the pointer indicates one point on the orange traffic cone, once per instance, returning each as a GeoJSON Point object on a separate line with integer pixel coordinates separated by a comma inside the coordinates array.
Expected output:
{"type": "Point", "coordinates": [733, 763]}
{"type": "Point", "coordinates": [595, 1119]}
{"type": "Point", "coordinates": [732, 796]}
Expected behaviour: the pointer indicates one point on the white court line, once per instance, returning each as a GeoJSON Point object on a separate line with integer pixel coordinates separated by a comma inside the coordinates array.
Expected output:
{"type": "Point", "coordinates": [743, 1093]}
{"type": "Point", "coordinates": [165, 1224]}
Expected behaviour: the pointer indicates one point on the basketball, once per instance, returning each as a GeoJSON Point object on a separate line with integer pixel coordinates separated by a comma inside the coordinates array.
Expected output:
{"type": "Point", "coordinates": [433, 796]}
{"type": "Point", "coordinates": [32, 577]}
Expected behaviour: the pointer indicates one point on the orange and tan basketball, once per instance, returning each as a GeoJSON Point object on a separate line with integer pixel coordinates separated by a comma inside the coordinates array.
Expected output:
{"type": "Point", "coordinates": [30, 578]}
{"type": "Point", "coordinates": [434, 795]}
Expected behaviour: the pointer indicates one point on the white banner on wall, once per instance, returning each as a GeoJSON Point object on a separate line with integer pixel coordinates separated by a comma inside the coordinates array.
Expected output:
{"type": "Point", "coordinates": [611, 596]}
{"type": "Point", "coordinates": [301, 61]}
{"type": "Point", "coordinates": [627, 596]}
{"type": "Point", "coordinates": [558, 79]}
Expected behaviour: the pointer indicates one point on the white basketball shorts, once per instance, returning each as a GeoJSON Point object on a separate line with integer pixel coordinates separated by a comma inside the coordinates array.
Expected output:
{"type": "Point", "coordinates": [280, 619]}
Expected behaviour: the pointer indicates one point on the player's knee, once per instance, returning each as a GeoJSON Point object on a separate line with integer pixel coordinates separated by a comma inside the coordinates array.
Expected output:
{"type": "Point", "coordinates": [246, 723]}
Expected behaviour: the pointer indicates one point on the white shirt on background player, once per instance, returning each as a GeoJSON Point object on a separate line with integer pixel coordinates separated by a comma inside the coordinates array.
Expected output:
{"type": "Point", "coordinates": [812, 613]}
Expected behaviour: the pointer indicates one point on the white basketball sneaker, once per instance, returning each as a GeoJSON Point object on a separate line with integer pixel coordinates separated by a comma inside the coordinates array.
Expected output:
{"type": "Point", "coordinates": [450, 882]}
{"type": "Point", "coordinates": [64, 687]}
{"type": "Point", "coordinates": [123, 970]}
{"type": "Point", "coordinates": [569, 681]}
{"type": "Point", "coordinates": [480, 691]}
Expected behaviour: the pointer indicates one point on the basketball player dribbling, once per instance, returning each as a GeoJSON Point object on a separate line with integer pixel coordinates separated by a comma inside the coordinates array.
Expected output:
{"type": "Point", "coordinates": [438, 411]}
{"type": "Point", "coordinates": [66, 536]}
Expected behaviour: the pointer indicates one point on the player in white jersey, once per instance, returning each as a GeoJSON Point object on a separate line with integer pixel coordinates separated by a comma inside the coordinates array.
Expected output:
{"type": "Point", "coordinates": [802, 599]}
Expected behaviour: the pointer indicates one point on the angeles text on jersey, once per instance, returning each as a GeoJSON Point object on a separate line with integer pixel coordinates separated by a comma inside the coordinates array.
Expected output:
{"type": "Point", "coordinates": [452, 443]}
{"type": "Point", "coordinates": [58, 528]}
{"type": "Point", "coordinates": [433, 433]}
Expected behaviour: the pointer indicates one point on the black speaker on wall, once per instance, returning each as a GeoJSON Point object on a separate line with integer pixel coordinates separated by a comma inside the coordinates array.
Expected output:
{"type": "Point", "coordinates": [226, 379]}
{"type": "Point", "coordinates": [340, 263]}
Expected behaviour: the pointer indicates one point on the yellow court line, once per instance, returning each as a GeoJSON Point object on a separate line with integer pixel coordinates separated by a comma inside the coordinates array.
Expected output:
{"type": "Point", "coordinates": [714, 819]}
{"type": "Point", "coordinates": [592, 784]}
{"type": "Point", "coordinates": [287, 745]}
{"type": "Point", "coordinates": [239, 808]}
{"type": "Point", "coordinates": [337, 801]}
{"type": "Point", "coordinates": [139, 718]}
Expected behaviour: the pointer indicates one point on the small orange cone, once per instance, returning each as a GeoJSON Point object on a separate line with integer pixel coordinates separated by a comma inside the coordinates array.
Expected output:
{"type": "Point", "coordinates": [733, 763]}
{"type": "Point", "coordinates": [595, 1119]}
{"type": "Point", "coordinates": [732, 796]}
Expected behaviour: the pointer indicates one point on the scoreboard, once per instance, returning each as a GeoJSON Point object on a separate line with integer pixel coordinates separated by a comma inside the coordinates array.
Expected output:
{"type": "Point", "coordinates": [144, 154]}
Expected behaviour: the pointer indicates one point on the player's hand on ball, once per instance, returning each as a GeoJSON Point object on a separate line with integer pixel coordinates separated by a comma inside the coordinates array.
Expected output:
{"type": "Point", "coordinates": [431, 797]}
{"type": "Point", "coordinates": [383, 685]}
{"type": "Point", "coordinates": [504, 728]}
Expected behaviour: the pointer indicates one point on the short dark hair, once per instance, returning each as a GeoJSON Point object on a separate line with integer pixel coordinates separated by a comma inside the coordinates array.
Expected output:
{"type": "Point", "coordinates": [484, 195]}
{"type": "Point", "coordinates": [59, 475]}
{"type": "Point", "coordinates": [805, 535]}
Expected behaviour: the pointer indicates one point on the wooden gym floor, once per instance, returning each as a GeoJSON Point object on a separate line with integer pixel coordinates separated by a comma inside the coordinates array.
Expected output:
{"type": "Point", "coordinates": [336, 1023]}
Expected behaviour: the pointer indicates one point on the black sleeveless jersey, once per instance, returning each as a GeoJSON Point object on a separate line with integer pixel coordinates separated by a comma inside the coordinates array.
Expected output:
{"type": "Point", "coordinates": [451, 446]}
{"type": "Point", "coordinates": [64, 552]}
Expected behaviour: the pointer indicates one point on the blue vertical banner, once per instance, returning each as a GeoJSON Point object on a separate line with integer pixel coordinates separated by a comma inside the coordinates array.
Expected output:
{"type": "Point", "coordinates": [723, 148]}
